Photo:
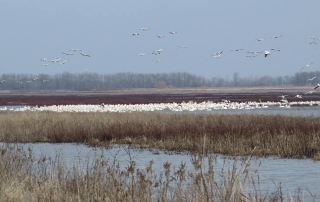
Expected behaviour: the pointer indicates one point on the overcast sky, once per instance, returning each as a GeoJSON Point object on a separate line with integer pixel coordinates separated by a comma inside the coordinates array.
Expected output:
{"type": "Point", "coordinates": [36, 29]}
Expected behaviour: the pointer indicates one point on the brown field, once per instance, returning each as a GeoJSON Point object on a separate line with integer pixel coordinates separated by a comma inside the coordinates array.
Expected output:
{"type": "Point", "coordinates": [143, 96]}
{"type": "Point", "coordinates": [23, 178]}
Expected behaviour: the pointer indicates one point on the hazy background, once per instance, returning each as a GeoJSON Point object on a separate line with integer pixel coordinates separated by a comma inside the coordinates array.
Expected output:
{"type": "Point", "coordinates": [36, 29]}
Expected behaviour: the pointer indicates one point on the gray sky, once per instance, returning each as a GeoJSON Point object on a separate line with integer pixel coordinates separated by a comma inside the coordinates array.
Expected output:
{"type": "Point", "coordinates": [36, 29]}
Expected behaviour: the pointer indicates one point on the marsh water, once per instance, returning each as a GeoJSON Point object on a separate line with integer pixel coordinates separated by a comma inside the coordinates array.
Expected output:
{"type": "Point", "coordinates": [293, 174]}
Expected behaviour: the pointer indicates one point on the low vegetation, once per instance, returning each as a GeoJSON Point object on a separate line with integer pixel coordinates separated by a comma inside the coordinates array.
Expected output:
{"type": "Point", "coordinates": [25, 178]}
{"type": "Point", "coordinates": [282, 136]}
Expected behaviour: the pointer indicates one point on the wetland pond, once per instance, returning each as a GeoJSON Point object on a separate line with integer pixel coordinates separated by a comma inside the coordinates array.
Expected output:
{"type": "Point", "coordinates": [293, 174]}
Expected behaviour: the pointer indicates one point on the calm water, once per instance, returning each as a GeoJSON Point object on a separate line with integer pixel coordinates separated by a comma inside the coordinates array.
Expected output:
{"type": "Point", "coordinates": [292, 173]}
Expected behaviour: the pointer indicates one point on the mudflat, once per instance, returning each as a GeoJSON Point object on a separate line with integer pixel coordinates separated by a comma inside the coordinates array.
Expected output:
{"type": "Point", "coordinates": [146, 96]}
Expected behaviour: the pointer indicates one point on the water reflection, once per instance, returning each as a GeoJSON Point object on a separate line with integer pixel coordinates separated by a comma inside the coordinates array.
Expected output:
{"type": "Point", "coordinates": [291, 173]}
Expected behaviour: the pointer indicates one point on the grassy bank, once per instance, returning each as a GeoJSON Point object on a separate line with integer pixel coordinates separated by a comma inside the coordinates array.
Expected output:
{"type": "Point", "coordinates": [283, 136]}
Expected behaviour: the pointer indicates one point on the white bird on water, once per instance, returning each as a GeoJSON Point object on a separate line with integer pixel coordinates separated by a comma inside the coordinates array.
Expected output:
{"type": "Point", "coordinates": [298, 96]}
{"type": "Point", "coordinates": [311, 79]}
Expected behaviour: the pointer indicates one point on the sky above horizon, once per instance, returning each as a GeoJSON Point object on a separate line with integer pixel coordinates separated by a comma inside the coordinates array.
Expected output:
{"type": "Point", "coordinates": [37, 29]}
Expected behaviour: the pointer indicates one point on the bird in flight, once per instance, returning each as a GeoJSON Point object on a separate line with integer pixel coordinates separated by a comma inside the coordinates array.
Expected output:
{"type": "Point", "coordinates": [75, 49]}
{"type": "Point", "coordinates": [64, 62]}
{"type": "Point", "coordinates": [317, 86]}
{"type": "Point", "coordinates": [260, 39]}
{"type": "Point", "coordinates": [217, 54]}
{"type": "Point", "coordinates": [145, 29]}
{"type": "Point", "coordinates": [67, 53]}
{"type": "Point", "coordinates": [142, 54]}
{"type": "Point", "coordinates": [34, 79]}
{"type": "Point", "coordinates": [43, 59]}
{"type": "Point", "coordinates": [44, 81]}
{"type": "Point", "coordinates": [173, 32]}
{"type": "Point", "coordinates": [85, 55]}
{"type": "Point", "coordinates": [276, 36]}
{"type": "Point", "coordinates": [306, 66]}
{"type": "Point", "coordinates": [135, 34]}
{"type": "Point", "coordinates": [311, 79]}
{"type": "Point", "coordinates": [266, 53]}
{"type": "Point", "coordinates": [160, 36]}
{"type": "Point", "coordinates": [237, 49]}
{"type": "Point", "coordinates": [275, 50]}
{"type": "Point", "coordinates": [3, 81]}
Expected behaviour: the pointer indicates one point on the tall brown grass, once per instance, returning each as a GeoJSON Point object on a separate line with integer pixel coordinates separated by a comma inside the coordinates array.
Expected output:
{"type": "Point", "coordinates": [283, 136]}
{"type": "Point", "coordinates": [24, 178]}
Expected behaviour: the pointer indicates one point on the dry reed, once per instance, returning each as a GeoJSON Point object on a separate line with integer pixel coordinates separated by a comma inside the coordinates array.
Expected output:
{"type": "Point", "coordinates": [283, 136]}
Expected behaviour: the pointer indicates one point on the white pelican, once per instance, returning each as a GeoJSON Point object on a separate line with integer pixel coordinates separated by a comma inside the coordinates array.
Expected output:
{"type": "Point", "coordinates": [237, 49]}
{"type": "Point", "coordinates": [275, 50]}
{"type": "Point", "coordinates": [160, 36]}
{"type": "Point", "coordinates": [67, 53]}
{"type": "Point", "coordinates": [135, 34]}
{"type": "Point", "coordinates": [75, 49]}
{"type": "Point", "coordinates": [317, 86]}
{"type": "Point", "coordinates": [308, 65]}
{"type": "Point", "coordinates": [217, 54]}
{"type": "Point", "coordinates": [173, 32]}
{"type": "Point", "coordinates": [63, 62]}
{"type": "Point", "coordinates": [156, 52]}
{"type": "Point", "coordinates": [260, 39]}
{"type": "Point", "coordinates": [158, 60]}
{"type": "Point", "coordinates": [310, 92]}
{"type": "Point", "coordinates": [298, 96]}
{"type": "Point", "coordinates": [266, 53]}
{"type": "Point", "coordinates": [276, 36]}
{"type": "Point", "coordinates": [311, 79]}
{"type": "Point", "coordinates": [85, 55]}
{"type": "Point", "coordinates": [43, 59]}
{"type": "Point", "coordinates": [145, 29]}
{"type": "Point", "coordinates": [34, 79]}
{"type": "Point", "coordinates": [142, 54]}
{"type": "Point", "coordinates": [282, 96]}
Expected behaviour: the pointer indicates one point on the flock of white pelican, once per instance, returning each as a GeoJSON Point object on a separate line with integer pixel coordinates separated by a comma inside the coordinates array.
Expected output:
{"type": "Point", "coordinates": [174, 107]}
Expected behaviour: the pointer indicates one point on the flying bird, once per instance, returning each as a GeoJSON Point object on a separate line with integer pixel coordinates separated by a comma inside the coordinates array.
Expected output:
{"type": "Point", "coordinates": [260, 39]}
{"type": "Point", "coordinates": [145, 29]}
{"type": "Point", "coordinates": [34, 79]}
{"type": "Point", "coordinates": [217, 54]}
{"type": "Point", "coordinates": [311, 79]}
{"type": "Point", "coordinates": [75, 49]}
{"type": "Point", "coordinates": [275, 50]}
{"type": "Point", "coordinates": [135, 34]}
{"type": "Point", "coordinates": [237, 49]}
{"type": "Point", "coordinates": [44, 81]}
{"type": "Point", "coordinates": [64, 62]}
{"type": "Point", "coordinates": [173, 32]}
{"type": "Point", "coordinates": [310, 92]}
{"type": "Point", "coordinates": [276, 36]}
{"type": "Point", "coordinates": [67, 53]}
{"type": "Point", "coordinates": [43, 59]}
{"type": "Point", "coordinates": [317, 86]}
{"type": "Point", "coordinates": [160, 36]}
{"type": "Point", "coordinates": [266, 53]}
{"type": "Point", "coordinates": [85, 55]}
{"type": "Point", "coordinates": [3, 81]}
{"type": "Point", "coordinates": [142, 54]}
{"type": "Point", "coordinates": [306, 66]}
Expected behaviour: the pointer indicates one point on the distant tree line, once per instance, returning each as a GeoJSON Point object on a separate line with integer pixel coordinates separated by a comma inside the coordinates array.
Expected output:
{"type": "Point", "coordinates": [88, 81]}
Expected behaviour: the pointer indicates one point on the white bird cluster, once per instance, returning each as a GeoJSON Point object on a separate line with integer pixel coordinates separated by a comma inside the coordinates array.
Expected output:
{"type": "Point", "coordinates": [174, 107]}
